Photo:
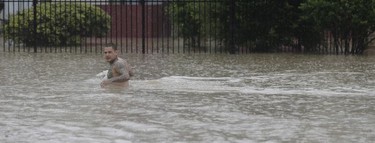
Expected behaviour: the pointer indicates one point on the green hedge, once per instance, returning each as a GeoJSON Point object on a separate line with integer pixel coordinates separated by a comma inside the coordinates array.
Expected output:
{"type": "Point", "coordinates": [59, 24]}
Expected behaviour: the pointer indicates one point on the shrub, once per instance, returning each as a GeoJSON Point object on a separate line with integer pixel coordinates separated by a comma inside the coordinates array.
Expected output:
{"type": "Point", "coordinates": [59, 24]}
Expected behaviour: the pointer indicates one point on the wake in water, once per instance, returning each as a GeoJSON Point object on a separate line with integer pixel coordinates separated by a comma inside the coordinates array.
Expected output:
{"type": "Point", "coordinates": [248, 85]}
{"type": "Point", "coordinates": [271, 84]}
{"type": "Point", "coordinates": [189, 84]}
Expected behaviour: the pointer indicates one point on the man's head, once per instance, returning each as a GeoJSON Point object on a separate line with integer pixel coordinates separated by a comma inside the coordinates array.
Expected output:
{"type": "Point", "coordinates": [110, 52]}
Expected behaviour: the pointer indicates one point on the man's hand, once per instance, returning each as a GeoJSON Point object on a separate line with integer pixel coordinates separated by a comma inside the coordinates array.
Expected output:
{"type": "Point", "coordinates": [105, 83]}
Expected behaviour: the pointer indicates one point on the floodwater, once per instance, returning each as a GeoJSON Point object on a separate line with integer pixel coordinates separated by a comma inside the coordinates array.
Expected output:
{"type": "Point", "coordinates": [47, 97]}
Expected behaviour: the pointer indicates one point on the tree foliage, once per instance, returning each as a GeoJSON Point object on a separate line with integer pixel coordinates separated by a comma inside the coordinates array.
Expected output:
{"type": "Point", "coordinates": [57, 24]}
{"type": "Point", "coordinates": [188, 21]}
{"type": "Point", "coordinates": [350, 22]}
{"type": "Point", "coordinates": [342, 26]}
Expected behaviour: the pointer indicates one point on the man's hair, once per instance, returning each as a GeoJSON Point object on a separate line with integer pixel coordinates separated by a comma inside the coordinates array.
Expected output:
{"type": "Point", "coordinates": [112, 45]}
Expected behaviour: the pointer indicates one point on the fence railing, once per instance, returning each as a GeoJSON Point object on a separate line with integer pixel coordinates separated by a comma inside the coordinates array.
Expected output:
{"type": "Point", "coordinates": [136, 26]}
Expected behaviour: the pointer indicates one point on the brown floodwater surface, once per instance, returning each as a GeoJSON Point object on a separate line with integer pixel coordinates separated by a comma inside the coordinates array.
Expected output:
{"type": "Point", "coordinates": [47, 97]}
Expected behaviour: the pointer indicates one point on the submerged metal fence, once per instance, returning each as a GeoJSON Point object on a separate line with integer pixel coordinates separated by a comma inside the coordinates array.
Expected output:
{"type": "Point", "coordinates": [136, 26]}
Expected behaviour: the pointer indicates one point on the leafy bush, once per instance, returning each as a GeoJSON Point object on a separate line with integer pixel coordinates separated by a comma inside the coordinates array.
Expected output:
{"type": "Point", "coordinates": [187, 18]}
{"type": "Point", "coordinates": [262, 26]}
{"type": "Point", "coordinates": [59, 24]}
{"type": "Point", "coordinates": [350, 22]}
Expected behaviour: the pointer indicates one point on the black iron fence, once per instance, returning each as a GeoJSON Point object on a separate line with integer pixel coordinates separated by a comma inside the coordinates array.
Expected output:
{"type": "Point", "coordinates": [137, 26]}
{"type": "Point", "coordinates": [147, 26]}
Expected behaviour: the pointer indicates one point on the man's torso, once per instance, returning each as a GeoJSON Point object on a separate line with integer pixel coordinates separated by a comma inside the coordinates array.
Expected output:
{"type": "Point", "coordinates": [113, 71]}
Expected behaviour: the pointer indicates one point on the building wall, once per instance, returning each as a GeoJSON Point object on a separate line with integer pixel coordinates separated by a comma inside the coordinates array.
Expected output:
{"type": "Point", "coordinates": [13, 7]}
{"type": "Point", "coordinates": [127, 21]}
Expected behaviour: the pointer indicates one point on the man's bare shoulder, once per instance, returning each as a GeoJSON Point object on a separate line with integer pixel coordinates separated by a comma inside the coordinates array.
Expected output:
{"type": "Point", "coordinates": [123, 64]}
{"type": "Point", "coordinates": [120, 62]}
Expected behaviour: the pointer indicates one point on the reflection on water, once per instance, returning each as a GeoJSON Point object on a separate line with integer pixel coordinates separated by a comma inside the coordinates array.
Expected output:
{"type": "Point", "coordinates": [188, 98]}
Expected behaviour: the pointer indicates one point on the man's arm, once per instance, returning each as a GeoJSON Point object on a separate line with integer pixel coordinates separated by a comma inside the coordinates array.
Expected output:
{"type": "Point", "coordinates": [122, 71]}
{"type": "Point", "coordinates": [130, 69]}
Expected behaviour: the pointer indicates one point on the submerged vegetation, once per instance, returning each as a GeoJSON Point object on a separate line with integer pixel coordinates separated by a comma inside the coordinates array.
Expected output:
{"type": "Point", "coordinates": [315, 26]}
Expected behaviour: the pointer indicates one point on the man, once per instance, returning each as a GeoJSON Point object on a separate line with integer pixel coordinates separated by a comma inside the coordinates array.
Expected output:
{"type": "Point", "coordinates": [119, 71]}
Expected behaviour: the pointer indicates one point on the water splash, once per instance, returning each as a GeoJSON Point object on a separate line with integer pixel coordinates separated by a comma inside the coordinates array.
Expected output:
{"type": "Point", "coordinates": [102, 75]}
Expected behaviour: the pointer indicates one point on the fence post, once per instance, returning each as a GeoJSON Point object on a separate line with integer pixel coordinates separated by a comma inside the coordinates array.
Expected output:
{"type": "Point", "coordinates": [143, 27]}
{"type": "Point", "coordinates": [35, 2]}
{"type": "Point", "coordinates": [232, 27]}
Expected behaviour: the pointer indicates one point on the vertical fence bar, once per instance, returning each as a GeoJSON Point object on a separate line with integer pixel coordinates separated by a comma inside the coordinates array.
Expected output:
{"type": "Point", "coordinates": [20, 4]}
{"type": "Point", "coordinates": [70, 47]}
{"type": "Point", "coordinates": [132, 15]}
{"type": "Point", "coordinates": [84, 42]}
{"type": "Point", "coordinates": [109, 38]}
{"type": "Point", "coordinates": [53, 6]}
{"type": "Point", "coordinates": [118, 27]}
{"type": "Point", "coordinates": [143, 27]}
{"type": "Point", "coordinates": [232, 26]}
{"type": "Point", "coordinates": [167, 31]}
{"type": "Point", "coordinates": [168, 35]}
{"type": "Point", "coordinates": [241, 47]}
{"type": "Point", "coordinates": [209, 44]}
{"type": "Point", "coordinates": [12, 43]}
{"type": "Point", "coordinates": [3, 26]}
{"type": "Point", "coordinates": [149, 13]}
{"type": "Point", "coordinates": [48, 46]}
{"type": "Point", "coordinates": [138, 28]}
{"type": "Point", "coordinates": [9, 42]}
{"type": "Point", "coordinates": [35, 2]}
{"type": "Point", "coordinates": [160, 29]}
{"type": "Point", "coordinates": [94, 40]}
{"type": "Point", "coordinates": [157, 29]}
{"type": "Point", "coordinates": [126, 26]}
{"type": "Point", "coordinates": [75, 11]}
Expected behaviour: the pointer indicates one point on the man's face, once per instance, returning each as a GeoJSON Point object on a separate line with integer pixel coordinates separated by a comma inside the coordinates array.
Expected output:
{"type": "Point", "coordinates": [109, 54]}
